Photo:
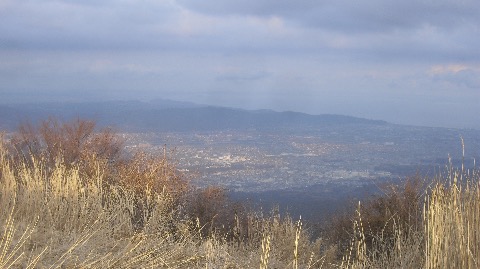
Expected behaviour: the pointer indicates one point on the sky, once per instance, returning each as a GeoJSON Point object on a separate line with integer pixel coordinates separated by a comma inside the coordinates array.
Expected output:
{"type": "Point", "coordinates": [411, 62]}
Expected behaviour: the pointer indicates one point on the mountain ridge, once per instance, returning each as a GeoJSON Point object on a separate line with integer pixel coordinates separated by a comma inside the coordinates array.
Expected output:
{"type": "Point", "coordinates": [167, 115]}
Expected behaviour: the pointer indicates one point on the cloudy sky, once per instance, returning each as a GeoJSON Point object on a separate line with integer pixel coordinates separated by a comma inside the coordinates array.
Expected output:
{"type": "Point", "coordinates": [413, 62]}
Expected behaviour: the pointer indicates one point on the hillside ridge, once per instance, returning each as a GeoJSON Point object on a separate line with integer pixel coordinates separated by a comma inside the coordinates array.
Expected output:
{"type": "Point", "coordinates": [166, 115]}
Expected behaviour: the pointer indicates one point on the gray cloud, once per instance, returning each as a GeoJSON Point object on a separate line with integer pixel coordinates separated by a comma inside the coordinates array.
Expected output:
{"type": "Point", "coordinates": [461, 78]}
{"type": "Point", "coordinates": [79, 25]}
{"type": "Point", "coordinates": [368, 58]}
{"type": "Point", "coordinates": [242, 77]}
{"type": "Point", "coordinates": [382, 29]}
{"type": "Point", "coordinates": [344, 15]}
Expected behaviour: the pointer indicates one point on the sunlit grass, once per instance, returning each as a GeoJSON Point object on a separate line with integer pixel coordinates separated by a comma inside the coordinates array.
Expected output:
{"type": "Point", "coordinates": [453, 223]}
{"type": "Point", "coordinates": [450, 237]}
{"type": "Point", "coordinates": [59, 216]}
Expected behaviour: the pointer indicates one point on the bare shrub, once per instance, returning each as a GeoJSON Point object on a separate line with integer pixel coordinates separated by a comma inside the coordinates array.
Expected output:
{"type": "Point", "coordinates": [403, 248]}
{"type": "Point", "coordinates": [215, 212]}
{"type": "Point", "coordinates": [400, 207]}
{"type": "Point", "coordinates": [77, 144]}
{"type": "Point", "coordinates": [146, 176]}
{"type": "Point", "coordinates": [72, 142]}
{"type": "Point", "coordinates": [55, 217]}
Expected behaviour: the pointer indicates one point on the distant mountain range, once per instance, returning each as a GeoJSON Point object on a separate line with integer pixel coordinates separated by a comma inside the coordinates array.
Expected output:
{"type": "Point", "coordinates": [169, 116]}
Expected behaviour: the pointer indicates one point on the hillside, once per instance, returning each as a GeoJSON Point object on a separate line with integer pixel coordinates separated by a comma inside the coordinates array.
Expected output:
{"type": "Point", "coordinates": [170, 116]}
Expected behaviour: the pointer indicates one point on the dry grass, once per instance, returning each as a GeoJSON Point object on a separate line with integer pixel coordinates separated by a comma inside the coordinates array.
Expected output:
{"type": "Point", "coordinates": [132, 213]}
{"type": "Point", "coordinates": [55, 217]}
{"type": "Point", "coordinates": [453, 222]}
{"type": "Point", "coordinates": [402, 249]}
{"type": "Point", "coordinates": [58, 216]}
{"type": "Point", "coordinates": [450, 237]}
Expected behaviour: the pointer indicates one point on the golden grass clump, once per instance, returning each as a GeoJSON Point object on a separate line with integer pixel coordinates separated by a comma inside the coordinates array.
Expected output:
{"type": "Point", "coordinates": [57, 216]}
{"type": "Point", "coordinates": [452, 218]}
{"type": "Point", "coordinates": [450, 237]}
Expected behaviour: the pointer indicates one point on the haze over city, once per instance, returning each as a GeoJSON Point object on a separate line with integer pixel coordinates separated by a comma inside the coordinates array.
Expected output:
{"type": "Point", "coordinates": [407, 62]}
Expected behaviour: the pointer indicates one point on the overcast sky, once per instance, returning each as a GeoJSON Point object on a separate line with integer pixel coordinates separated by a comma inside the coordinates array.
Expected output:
{"type": "Point", "coordinates": [412, 62]}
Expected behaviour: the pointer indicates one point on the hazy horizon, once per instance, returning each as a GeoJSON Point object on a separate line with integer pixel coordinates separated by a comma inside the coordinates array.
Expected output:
{"type": "Point", "coordinates": [410, 62]}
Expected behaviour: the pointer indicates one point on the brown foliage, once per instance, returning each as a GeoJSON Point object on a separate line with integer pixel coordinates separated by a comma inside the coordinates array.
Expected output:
{"type": "Point", "coordinates": [77, 143]}
{"type": "Point", "coordinates": [143, 171]}
{"type": "Point", "coordinates": [215, 212]}
{"type": "Point", "coordinates": [72, 142]}
{"type": "Point", "coordinates": [400, 207]}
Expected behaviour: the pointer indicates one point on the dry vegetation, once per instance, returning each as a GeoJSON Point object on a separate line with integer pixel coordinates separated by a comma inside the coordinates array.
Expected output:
{"type": "Point", "coordinates": [446, 236]}
{"type": "Point", "coordinates": [71, 198]}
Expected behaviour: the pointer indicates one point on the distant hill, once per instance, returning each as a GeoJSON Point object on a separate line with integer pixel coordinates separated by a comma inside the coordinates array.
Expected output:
{"type": "Point", "coordinates": [166, 115]}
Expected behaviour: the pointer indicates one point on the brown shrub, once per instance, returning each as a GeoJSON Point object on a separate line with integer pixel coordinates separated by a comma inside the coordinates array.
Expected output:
{"type": "Point", "coordinates": [399, 208]}
{"type": "Point", "coordinates": [149, 175]}
{"type": "Point", "coordinates": [215, 212]}
{"type": "Point", "coordinates": [70, 142]}
{"type": "Point", "coordinates": [76, 143]}
{"type": "Point", "coordinates": [145, 171]}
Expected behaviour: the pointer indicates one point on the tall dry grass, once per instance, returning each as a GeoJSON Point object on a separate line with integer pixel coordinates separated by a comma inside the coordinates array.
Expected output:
{"type": "Point", "coordinates": [452, 219]}
{"type": "Point", "coordinates": [401, 249]}
{"type": "Point", "coordinates": [451, 230]}
{"type": "Point", "coordinates": [54, 217]}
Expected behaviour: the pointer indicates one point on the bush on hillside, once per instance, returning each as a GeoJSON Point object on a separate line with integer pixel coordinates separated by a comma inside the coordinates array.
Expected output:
{"type": "Point", "coordinates": [216, 213]}
{"type": "Point", "coordinates": [400, 207]}
{"type": "Point", "coordinates": [79, 144]}
{"type": "Point", "coordinates": [72, 142]}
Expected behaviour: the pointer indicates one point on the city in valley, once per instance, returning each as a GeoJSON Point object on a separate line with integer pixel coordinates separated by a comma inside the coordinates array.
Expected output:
{"type": "Point", "coordinates": [308, 163]}
{"type": "Point", "coordinates": [311, 169]}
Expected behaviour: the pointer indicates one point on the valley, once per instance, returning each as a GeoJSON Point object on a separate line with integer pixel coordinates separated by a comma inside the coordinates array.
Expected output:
{"type": "Point", "coordinates": [311, 172]}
